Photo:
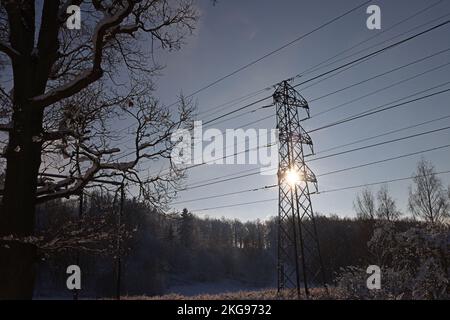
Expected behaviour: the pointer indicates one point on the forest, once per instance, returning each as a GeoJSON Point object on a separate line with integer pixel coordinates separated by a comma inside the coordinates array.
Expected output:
{"type": "Point", "coordinates": [160, 251]}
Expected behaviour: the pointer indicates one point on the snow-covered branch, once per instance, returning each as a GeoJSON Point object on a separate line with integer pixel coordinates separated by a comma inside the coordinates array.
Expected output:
{"type": "Point", "coordinates": [8, 50]}
{"type": "Point", "coordinates": [97, 234]}
{"type": "Point", "coordinates": [5, 127]}
{"type": "Point", "coordinates": [93, 74]}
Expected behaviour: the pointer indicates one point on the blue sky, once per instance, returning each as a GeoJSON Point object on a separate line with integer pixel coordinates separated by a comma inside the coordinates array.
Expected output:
{"type": "Point", "coordinates": [233, 33]}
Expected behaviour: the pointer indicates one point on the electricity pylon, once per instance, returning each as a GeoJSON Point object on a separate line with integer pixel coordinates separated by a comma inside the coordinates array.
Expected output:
{"type": "Point", "coordinates": [299, 259]}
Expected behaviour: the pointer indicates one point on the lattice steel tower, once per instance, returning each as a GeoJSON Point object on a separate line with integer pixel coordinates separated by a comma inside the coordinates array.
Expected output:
{"type": "Point", "coordinates": [299, 259]}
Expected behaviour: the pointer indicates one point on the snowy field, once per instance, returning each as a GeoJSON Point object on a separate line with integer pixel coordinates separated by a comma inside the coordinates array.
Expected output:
{"type": "Point", "coordinates": [216, 287]}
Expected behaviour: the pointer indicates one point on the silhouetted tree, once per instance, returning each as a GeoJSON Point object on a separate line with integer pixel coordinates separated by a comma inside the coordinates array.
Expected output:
{"type": "Point", "coordinates": [364, 204]}
{"type": "Point", "coordinates": [187, 227]}
{"type": "Point", "coordinates": [387, 208]}
{"type": "Point", "coordinates": [63, 99]}
{"type": "Point", "coordinates": [427, 198]}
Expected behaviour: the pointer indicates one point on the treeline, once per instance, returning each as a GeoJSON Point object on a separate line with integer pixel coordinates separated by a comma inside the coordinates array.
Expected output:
{"type": "Point", "coordinates": [158, 251]}
{"type": "Point", "coordinates": [161, 250]}
{"type": "Point", "coordinates": [165, 250]}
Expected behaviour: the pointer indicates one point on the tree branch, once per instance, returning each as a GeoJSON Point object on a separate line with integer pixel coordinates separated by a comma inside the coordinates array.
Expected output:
{"type": "Point", "coordinates": [95, 73]}
{"type": "Point", "coordinates": [8, 50]}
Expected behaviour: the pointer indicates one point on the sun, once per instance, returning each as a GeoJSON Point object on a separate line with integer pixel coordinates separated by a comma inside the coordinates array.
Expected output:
{"type": "Point", "coordinates": [292, 177]}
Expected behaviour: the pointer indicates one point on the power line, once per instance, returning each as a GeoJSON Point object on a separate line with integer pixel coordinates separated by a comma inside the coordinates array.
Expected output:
{"type": "Point", "coordinates": [385, 160]}
{"type": "Point", "coordinates": [238, 115]}
{"type": "Point", "coordinates": [372, 145]}
{"type": "Point", "coordinates": [370, 47]}
{"type": "Point", "coordinates": [225, 176]}
{"type": "Point", "coordinates": [258, 120]}
{"type": "Point", "coordinates": [377, 76]}
{"type": "Point", "coordinates": [348, 151]}
{"type": "Point", "coordinates": [333, 148]}
{"type": "Point", "coordinates": [358, 116]}
{"type": "Point", "coordinates": [338, 68]}
{"type": "Point", "coordinates": [215, 181]}
{"type": "Point", "coordinates": [333, 73]}
{"type": "Point", "coordinates": [271, 115]}
{"type": "Point", "coordinates": [218, 108]}
{"type": "Point", "coordinates": [372, 111]}
{"type": "Point", "coordinates": [238, 109]}
{"type": "Point", "coordinates": [315, 67]}
{"type": "Point", "coordinates": [323, 174]}
{"type": "Point", "coordinates": [274, 51]}
{"type": "Point", "coordinates": [220, 181]}
{"type": "Point", "coordinates": [348, 119]}
{"type": "Point", "coordinates": [366, 113]}
{"type": "Point", "coordinates": [379, 109]}
{"type": "Point", "coordinates": [379, 182]}
{"type": "Point", "coordinates": [322, 192]}
{"type": "Point", "coordinates": [382, 134]}
{"type": "Point", "coordinates": [258, 91]}
{"type": "Point", "coordinates": [225, 194]}
{"type": "Point", "coordinates": [235, 205]}
{"type": "Point", "coordinates": [320, 75]}
{"type": "Point", "coordinates": [359, 83]}
{"type": "Point", "coordinates": [365, 49]}
{"type": "Point", "coordinates": [380, 143]}
{"type": "Point", "coordinates": [376, 52]}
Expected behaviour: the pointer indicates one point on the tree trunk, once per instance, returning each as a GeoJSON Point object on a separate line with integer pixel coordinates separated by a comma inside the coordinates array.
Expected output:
{"type": "Point", "coordinates": [23, 155]}
{"type": "Point", "coordinates": [17, 216]}
{"type": "Point", "coordinates": [17, 212]}
{"type": "Point", "coordinates": [17, 272]}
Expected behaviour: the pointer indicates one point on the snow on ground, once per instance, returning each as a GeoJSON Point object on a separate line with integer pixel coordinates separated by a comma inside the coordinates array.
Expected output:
{"type": "Point", "coordinates": [197, 288]}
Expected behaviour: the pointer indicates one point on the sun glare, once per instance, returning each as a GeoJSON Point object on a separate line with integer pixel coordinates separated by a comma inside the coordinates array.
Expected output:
{"type": "Point", "coordinates": [292, 177]}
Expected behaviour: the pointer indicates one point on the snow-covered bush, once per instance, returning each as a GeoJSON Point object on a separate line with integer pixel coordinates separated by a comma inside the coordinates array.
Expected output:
{"type": "Point", "coordinates": [414, 264]}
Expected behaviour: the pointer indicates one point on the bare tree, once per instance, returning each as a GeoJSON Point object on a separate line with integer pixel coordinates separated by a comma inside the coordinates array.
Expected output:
{"type": "Point", "coordinates": [73, 99]}
{"type": "Point", "coordinates": [387, 208]}
{"type": "Point", "coordinates": [427, 198]}
{"type": "Point", "coordinates": [364, 205]}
